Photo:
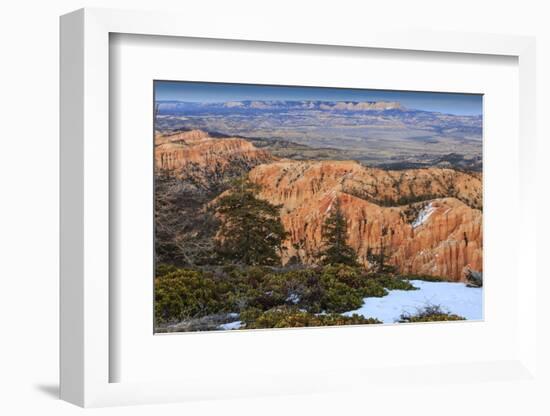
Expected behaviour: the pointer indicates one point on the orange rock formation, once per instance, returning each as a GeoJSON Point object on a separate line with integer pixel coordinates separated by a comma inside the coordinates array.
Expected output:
{"type": "Point", "coordinates": [443, 236]}
{"type": "Point", "coordinates": [448, 238]}
{"type": "Point", "coordinates": [194, 156]}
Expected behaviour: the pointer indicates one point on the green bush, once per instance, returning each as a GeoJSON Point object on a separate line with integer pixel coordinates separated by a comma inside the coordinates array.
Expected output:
{"type": "Point", "coordinates": [163, 269]}
{"type": "Point", "coordinates": [430, 313]}
{"type": "Point", "coordinates": [290, 317]}
{"type": "Point", "coordinates": [348, 275]}
{"type": "Point", "coordinates": [241, 286]}
{"type": "Point", "coordinates": [338, 297]}
{"type": "Point", "coordinates": [394, 283]}
{"type": "Point", "coordinates": [330, 289]}
{"type": "Point", "coordinates": [373, 289]}
{"type": "Point", "coordinates": [293, 287]}
{"type": "Point", "coordinates": [185, 294]}
{"type": "Point", "coordinates": [345, 287]}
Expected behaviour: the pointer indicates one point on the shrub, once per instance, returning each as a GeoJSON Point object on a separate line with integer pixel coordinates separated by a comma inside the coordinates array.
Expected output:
{"type": "Point", "coordinates": [334, 288]}
{"type": "Point", "coordinates": [295, 287]}
{"type": "Point", "coordinates": [338, 297]}
{"type": "Point", "coordinates": [290, 317]}
{"type": "Point", "coordinates": [337, 288]}
{"type": "Point", "coordinates": [394, 283]}
{"type": "Point", "coordinates": [350, 276]}
{"type": "Point", "coordinates": [430, 313]}
{"type": "Point", "coordinates": [163, 269]}
{"type": "Point", "coordinates": [252, 276]}
{"type": "Point", "coordinates": [242, 288]}
{"type": "Point", "coordinates": [345, 287]}
{"type": "Point", "coordinates": [353, 278]}
{"type": "Point", "coordinates": [185, 294]}
{"type": "Point", "coordinates": [372, 289]}
{"type": "Point", "coordinates": [249, 315]}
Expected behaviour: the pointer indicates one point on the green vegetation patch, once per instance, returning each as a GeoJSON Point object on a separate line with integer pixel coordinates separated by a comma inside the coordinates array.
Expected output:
{"type": "Point", "coordinates": [187, 294]}
{"type": "Point", "coordinates": [430, 313]}
{"type": "Point", "coordinates": [394, 283]}
{"type": "Point", "coordinates": [291, 317]}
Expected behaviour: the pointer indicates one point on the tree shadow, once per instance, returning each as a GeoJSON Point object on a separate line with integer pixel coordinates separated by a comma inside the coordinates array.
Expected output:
{"type": "Point", "coordinates": [51, 390]}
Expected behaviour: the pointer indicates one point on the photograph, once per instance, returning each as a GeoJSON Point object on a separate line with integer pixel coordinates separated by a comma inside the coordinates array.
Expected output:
{"type": "Point", "coordinates": [296, 206]}
{"type": "Point", "coordinates": [243, 208]}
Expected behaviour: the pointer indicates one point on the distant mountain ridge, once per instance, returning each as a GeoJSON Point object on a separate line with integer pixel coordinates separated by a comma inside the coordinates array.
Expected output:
{"type": "Point", "coordinates": [377, 133]}
{"type": "Point", "coordinates": [169, 107]}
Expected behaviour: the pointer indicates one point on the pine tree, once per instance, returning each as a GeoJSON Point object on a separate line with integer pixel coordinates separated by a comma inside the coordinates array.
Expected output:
{"type": "Point", "coordinates": [334, 235]}
{"type": "Point", "coordinates": [377, 257]}
{"type": "Point", "coordinates": [251, 232]}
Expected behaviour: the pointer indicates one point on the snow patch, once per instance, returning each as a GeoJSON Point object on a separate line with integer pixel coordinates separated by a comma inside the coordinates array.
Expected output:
{"type": "Point", "coordinates": [333, 198]}
{"type": "Point", "coordinates": [230, 325]}
{"type": "Point", "coordinates": [455, 298]}
{"type": "Point", "coordinates": [423, 215]}
{"type": "Point", "coordinates": [293, 298]}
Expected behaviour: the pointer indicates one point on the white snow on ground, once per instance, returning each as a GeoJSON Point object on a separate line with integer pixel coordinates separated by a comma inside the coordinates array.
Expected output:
{"type": "Point", "coordinates": [423, 215]}
{"type": "Point", "coordinates": [452, 297]}
{"type": "Point", "coordinates": [231, 325]}
{"type": "Point", "coordinates": [293, 298]}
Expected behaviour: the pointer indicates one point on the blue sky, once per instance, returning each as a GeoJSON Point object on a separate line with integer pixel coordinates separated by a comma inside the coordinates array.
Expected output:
{"type": "Point", "coordinates": [452, 103]}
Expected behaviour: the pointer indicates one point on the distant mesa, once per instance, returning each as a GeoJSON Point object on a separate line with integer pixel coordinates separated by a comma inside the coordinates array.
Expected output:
{"type": "Point", "coordinates": [357, 106]}
{"type": "Point", "coordinates": [233, 104]}
{"type": "Point", "coordinates": [363, 106]}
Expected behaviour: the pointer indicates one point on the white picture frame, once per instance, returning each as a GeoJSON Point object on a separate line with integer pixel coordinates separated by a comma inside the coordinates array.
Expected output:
{"type": "Point", "coordinates": [85, 212]}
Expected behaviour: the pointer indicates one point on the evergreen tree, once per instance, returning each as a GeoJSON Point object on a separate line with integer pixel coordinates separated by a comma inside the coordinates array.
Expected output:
{"type": "Point", "coordinates": [251, 232]}
{"type": "Point", "coordinates": [336, 250]}
{"type": "Point", "coordinates": [377, 257]}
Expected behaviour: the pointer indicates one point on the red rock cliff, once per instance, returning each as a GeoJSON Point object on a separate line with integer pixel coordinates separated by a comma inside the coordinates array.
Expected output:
{"type": "Point", "coordinates": [443, 238]}
{"type": "Point", "coordinates": [196, 157]}
{"type": "Point", "coordinates": [428, 220]}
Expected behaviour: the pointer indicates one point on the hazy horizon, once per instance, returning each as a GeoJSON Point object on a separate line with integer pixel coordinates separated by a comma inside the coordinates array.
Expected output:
{"type": "Point", "coordinates": [208, 92]}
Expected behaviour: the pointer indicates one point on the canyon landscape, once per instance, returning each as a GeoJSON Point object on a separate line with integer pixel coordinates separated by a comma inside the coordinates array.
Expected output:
{"type": "Point", "coordinates": [274, 213]}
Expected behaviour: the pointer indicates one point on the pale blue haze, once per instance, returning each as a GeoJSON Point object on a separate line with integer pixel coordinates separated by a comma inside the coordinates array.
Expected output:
{"type": "Point", "coordinates": [450, 103]}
